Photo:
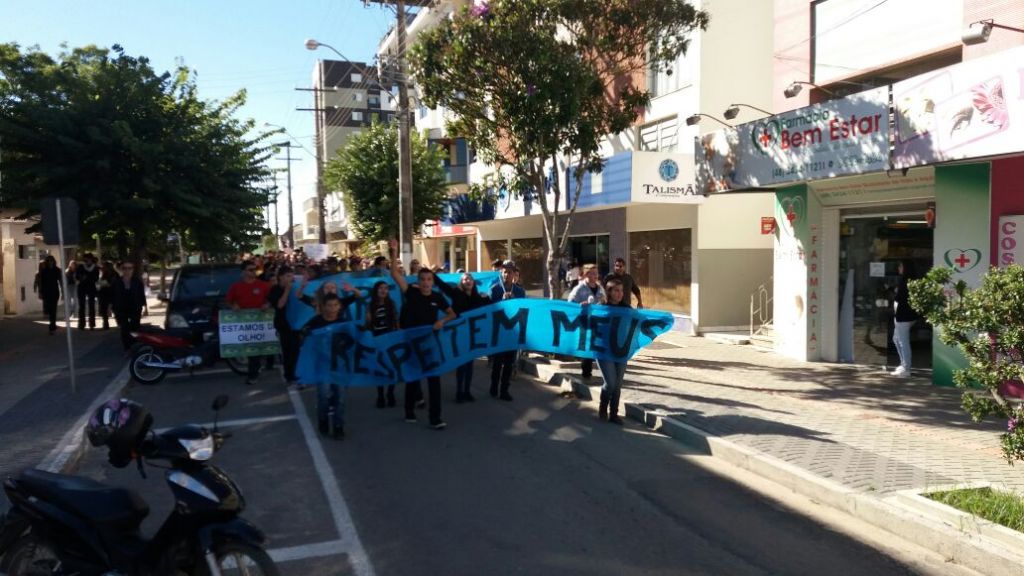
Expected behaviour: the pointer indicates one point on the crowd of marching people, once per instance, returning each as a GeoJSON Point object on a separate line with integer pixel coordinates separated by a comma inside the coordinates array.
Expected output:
{"type": "Point", "coordinates": [268, 282]}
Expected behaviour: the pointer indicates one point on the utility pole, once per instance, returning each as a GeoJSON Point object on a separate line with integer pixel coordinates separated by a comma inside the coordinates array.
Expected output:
{"type": "Point", "coordinates": [290, 235]}
{"type": "Point", "coordinates": [405, 223]}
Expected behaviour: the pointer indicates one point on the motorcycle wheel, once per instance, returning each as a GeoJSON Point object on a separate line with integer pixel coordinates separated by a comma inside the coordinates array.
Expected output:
{"type": "Point", "coordinates": [239, 366]}
{"type": "Point", "coordinates": [29, 556]}
{"type": "Point", "coordinates": [235, 558]}
{"type": "Point", "coordinates": [143, 374]}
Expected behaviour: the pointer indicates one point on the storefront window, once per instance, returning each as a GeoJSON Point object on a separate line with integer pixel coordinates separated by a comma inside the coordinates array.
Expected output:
{"type": "Point", "coordinates": [529, 256]}
{"type": "Point", "coordinates": [660, 262]}
{"type": "Point", "coordinates": [590, 250]}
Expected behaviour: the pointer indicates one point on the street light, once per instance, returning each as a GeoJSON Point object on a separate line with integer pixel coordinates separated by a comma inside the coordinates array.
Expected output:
{"type": "Point", "coordinates": [978, 32]}
{"type": "Point", "coordinates": [734, 109]}
{"type": "Point", "coordinates": [695, 119]}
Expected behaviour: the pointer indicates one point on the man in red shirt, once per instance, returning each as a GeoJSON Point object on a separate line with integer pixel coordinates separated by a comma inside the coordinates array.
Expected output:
{"type": "Point", "coordinates": [249, 294]}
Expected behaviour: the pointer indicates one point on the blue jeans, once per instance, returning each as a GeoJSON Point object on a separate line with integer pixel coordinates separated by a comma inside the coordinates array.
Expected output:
{"type": "Point", "coordinates": [614, 373]}
{"type": "Point", "coordinates": [330, 396]}
{"type": "Point", "coordinates": [464, 377]}
{"type": "Point", "coordinates": [901, 338]}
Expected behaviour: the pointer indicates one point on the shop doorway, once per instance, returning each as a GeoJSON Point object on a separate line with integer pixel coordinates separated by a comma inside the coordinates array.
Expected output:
{"type": "Point", "coordinates": [590, 250]}
{"type": "Point", "coordinates": [871, 247]}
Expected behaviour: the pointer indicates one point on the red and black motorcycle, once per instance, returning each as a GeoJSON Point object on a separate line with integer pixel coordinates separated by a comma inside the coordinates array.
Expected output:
{"type": "Point", "coordinates": [157, 352]}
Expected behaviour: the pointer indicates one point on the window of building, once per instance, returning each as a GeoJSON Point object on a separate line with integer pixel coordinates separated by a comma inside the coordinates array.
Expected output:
{"type": "Point", "coordinates": [356, 78]}
{"type": "Point", "coordinates": [358, 97]}
{"type": "Point", "coordinates": [27, 252]}
{"type": "Point", "coordinates": [373, 101]}
{"type": "Point", "coordinates": [357, 116]}
{"type": "Point", "coordinates": [670, 78]}
{"type": "Point", "coordinates": [661, 263]}
{"type": "Point", "coordinates": [662, 135]}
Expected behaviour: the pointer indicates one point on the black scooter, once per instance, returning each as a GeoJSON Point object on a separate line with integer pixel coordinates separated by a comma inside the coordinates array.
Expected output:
{"type": "Point", "coordinates": [68, 525]}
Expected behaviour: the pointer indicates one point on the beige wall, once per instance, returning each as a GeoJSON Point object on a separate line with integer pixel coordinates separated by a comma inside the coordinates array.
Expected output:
{"type": "Point", "coordinates": [736, 59]}
{"type": "Point", "coordinates": [730, 277]}
{"type": "Point", "coordinates": [19, 274]}
{"type": "Point", "coordinates": [734, 221]}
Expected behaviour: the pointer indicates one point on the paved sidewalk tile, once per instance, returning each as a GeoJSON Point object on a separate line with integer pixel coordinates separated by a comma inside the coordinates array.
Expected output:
{"type": "Point", "coordinates": [858, 427]}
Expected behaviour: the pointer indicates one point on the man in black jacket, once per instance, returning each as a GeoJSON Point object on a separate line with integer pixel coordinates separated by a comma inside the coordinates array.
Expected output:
{"type": "Point", "coordinates": [87, 276]}
{"type": "Point", "coordinates": [129, 299]}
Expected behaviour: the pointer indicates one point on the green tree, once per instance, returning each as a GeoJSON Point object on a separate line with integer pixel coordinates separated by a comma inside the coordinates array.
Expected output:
{"type": "Point", "coordinates": [141, 152]}
{"type": "Point", "coordinates": [987, 325]}
{"type": "Point", "coordinates": [366, 172]}
{"type": "Point", "coordinates": [530, 82]}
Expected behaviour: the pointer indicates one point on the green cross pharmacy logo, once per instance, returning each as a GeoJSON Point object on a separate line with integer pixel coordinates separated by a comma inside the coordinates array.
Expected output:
{"type": "Point", "coordinates": [962, 260]}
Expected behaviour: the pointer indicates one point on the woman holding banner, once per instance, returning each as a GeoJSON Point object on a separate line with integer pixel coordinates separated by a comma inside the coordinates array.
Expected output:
{"type": "Point", "coordinates": [464, 298]}
{"type": "Point", "coordinates": [381, 318]}
{"type": "Point", "coordinates": [612, 372]}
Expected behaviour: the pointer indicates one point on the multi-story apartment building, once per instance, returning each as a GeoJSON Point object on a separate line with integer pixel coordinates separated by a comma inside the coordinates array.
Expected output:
{"type": "Point", "coordinates": [902, 145]}
{"type": "Point", "coordinates": [348, 98]}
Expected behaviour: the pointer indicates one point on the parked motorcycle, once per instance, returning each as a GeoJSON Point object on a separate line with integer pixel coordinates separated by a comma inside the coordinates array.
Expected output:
{"type": "Point", "coordinates": [68, 525]}
{"type": "Point", "coordinates": [157, 352]}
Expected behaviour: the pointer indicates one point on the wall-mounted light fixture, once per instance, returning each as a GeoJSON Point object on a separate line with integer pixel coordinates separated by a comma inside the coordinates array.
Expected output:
{"type": "Point", "coordinates": [978, 32]}
{"type": "Point", "coordinates": [734, 109]}
{"type": "Point", "coordinates": [695, 118]}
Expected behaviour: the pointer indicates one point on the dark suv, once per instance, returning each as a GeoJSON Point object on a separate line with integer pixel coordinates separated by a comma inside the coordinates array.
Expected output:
{"type": "Point", "coordinates": [197, 293]}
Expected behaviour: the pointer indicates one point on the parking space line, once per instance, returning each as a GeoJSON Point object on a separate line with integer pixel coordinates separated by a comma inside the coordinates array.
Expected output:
{"type": "Point", "coordinates": [242, 422]}
{"type": "Point", "coordinates": [319, 550]}
{"type": "Point", "coordinates": [351, 544]}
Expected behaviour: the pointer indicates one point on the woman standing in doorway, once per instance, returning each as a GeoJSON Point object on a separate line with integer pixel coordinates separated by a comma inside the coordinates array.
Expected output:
{"type": "Point", "coordinates": [905, 319]}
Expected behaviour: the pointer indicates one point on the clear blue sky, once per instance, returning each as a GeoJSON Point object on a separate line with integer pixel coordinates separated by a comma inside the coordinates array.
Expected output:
{"type": "Point", "coordinates": [231, 44]}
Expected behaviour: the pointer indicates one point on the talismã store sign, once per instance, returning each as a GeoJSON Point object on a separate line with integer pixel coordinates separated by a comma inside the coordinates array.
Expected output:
{"type": "Point", "coordinates": [845, 136]}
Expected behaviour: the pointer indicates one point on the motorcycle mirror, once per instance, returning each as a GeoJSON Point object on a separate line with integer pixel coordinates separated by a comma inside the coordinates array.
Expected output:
{"type": "Point", "coordinates": [220, 402]}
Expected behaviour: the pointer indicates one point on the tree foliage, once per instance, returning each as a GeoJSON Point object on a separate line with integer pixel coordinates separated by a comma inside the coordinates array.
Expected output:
{"type": "Point", "coordinates": [530, 81]}
{"type": "Point", "coordinates": [987, 325]}
{"type": "Point", "coordinates": [141, 152]}
{"type": "Point", "coordinates": [366, 172]}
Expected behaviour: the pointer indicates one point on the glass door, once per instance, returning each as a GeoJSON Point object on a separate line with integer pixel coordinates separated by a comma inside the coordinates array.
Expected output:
{"type": "Point", "coordinates": [871, 247]}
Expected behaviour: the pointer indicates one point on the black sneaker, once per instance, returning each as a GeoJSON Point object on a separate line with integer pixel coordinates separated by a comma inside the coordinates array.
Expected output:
{"type": "Point", "coordinates": [505, 396]}
{"type": "Point", "coordinates": [469, 397]}
{"type": "Point", "coordinates": [411, 418]}
{"type": "Point", "coordinates": [439, 425]}
{"type": "Point", "coordinates": [421, 404]}
{"type": "Point", "coordinates": [250, 381]}
{"type": "Point", "coordinates": [615, 420]}
{"type": "Point", "coordinates": [494, 390]}
{"type": "Point", "coordinates": [323, 428]}
{"type": "Point", "coordinates": [338, 433]}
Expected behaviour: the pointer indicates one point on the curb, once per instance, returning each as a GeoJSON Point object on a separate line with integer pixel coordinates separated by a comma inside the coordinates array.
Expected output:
{"type": "Point", "coordinates": [65, 457]}
{"type": "Point", "coordinates": [944, 533]}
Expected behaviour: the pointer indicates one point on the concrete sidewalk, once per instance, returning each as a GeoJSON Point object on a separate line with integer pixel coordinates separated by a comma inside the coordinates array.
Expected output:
{"type": "Point", "coordinates": [858, 427]}
{"type": "Point", "coordinates": [853, 438]}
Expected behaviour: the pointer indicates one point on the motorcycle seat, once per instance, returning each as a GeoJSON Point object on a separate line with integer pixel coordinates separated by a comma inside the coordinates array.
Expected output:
{"type": "Point", "coordinates": [101, 504]}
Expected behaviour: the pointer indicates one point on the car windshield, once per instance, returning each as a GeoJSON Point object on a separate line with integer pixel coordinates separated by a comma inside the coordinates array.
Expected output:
{"type": "Point", "coordinates": [204, 283]}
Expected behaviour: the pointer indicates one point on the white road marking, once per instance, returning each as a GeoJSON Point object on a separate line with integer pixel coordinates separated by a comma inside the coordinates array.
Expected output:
{"type": "Point", "coordinates": [318, 550]}
{"type": "Point", "coordinates": [73, 439]}
{"type": "Point", "coordinates": [358, 558]}
{"type": "Point", "coordinates": [241, 422]}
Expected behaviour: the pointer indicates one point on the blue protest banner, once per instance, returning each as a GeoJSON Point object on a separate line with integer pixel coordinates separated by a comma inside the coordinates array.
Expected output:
{"type": "Point", "coordinates": [349, 355]}
{"type": "Point", "coordinates": [298, 313]}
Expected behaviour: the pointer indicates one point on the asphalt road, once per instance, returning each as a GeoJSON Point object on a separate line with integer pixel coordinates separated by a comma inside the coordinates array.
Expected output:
{"type": "Point", "coordinates": [535, 486]}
